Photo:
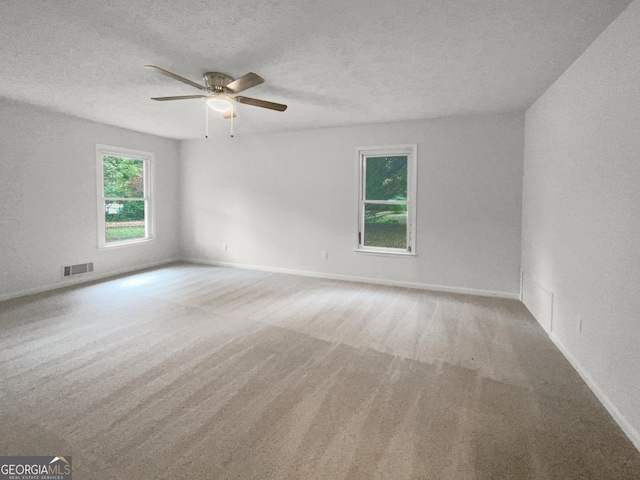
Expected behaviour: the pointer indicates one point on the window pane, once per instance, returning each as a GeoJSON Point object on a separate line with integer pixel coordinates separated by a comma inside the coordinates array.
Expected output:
{"type": "Point", "coordinates": [385, 226]}
{"type": "Point", "coordinates": [124, 220]}
{"type": "Point", "coordinates": [386, 178]}
{"type": "Point", "coordinates": [123, 177]}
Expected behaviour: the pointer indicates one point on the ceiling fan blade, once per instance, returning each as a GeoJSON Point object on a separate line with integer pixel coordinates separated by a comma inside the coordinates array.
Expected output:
{"type": "Point", "coordinates": [244, 82]}
{"type": "Point", "coordinates": [176, 77]}
{"type": "Point", "coordinates": [261, 103]}
{"type": "Point", "coordinates": [181, 97]}
{"type": "Point", "coordinates": [229, 113]}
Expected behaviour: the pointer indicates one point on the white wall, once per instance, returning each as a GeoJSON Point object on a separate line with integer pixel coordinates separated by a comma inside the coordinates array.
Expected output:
{"type": "Point", "coordinates": [48, 198]}
{"type": "Point", "coordinates": [581, 215]}
{"type": "Point", "coordinates": [278, 199]}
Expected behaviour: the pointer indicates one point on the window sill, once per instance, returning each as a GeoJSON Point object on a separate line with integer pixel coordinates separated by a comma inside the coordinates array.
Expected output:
{"type": "Point", "coordinates": [385, 253]}
{"type": "Point", "coordinates": [126, 243]}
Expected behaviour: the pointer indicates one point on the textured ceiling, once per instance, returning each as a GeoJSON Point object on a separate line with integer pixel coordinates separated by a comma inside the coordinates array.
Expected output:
{"type": "Point", "coordinates": [333, 62]}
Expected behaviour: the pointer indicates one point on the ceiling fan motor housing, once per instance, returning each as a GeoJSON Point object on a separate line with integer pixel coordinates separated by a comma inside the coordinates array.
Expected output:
{"type": "Point", "coordinates": [216, 81]}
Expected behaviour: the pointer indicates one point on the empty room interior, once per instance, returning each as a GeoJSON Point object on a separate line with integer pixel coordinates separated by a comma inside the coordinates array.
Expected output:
{"type": "Point", "coordinates": [332, 240]}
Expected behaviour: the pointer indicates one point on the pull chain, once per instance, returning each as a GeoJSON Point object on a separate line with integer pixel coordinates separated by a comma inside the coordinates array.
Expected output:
{"type": "Point", "coordinates": [232, 115]}
{"type": "Point", "coordinates": [206, 120]}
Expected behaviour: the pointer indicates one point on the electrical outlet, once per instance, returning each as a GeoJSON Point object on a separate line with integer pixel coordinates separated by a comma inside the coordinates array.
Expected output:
{"type": "Point", "coordinates": [324, 255]}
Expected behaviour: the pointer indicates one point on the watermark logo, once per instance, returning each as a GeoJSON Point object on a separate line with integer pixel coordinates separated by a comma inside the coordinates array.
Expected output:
{"type": "Point", "coordinates": [35, 468]}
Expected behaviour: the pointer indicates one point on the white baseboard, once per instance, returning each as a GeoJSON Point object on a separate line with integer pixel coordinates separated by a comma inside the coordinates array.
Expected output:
{"type": "Point", "coordinates": [350, 278]}
{"type": "Point", "coordinates": [619, 418]}
{"type": "Point", "coordinates": [85, 278]}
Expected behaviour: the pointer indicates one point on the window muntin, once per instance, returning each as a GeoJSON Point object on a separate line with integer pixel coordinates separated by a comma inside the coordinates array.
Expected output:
{"type": "Point", "coordinates": [386, 199]}
{"type": "Point", "coordinates": [124, 196]}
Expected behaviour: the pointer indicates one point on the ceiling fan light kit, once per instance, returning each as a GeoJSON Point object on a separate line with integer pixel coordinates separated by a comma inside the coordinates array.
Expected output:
{"type": "Point", "coordinates": [221, 91]}
{"type": "Point", "coordinates": [219, 104]}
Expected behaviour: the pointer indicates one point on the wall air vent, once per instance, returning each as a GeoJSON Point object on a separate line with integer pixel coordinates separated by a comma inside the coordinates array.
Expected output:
{"type": "Point", "coordinates": [71, 270]}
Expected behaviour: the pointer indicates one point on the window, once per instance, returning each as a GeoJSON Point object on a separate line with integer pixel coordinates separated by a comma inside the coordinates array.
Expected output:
{"type": "Point", "coordinates": [386, 199]}
{"type": "Point", "coordinates": [124, 196]}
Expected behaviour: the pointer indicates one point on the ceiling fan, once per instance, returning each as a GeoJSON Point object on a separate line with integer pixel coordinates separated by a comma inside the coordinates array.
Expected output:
{"type": "Point", "coordinates": [221, 91]}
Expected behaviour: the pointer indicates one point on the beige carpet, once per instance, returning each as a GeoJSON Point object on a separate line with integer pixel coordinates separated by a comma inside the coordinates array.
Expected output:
{"type": "Point", "coordinates": [200, 372]}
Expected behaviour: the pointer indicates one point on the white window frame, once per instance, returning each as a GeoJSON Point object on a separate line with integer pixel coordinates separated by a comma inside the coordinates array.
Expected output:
{"type": "Point", "coordinates": [148, 159]}
{"type": "Point", "coordinates": [411, 152]}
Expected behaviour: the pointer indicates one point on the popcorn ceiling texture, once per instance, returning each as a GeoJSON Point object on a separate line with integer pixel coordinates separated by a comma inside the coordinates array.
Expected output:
{"type": "Point", "coordinates": [333, 62]}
